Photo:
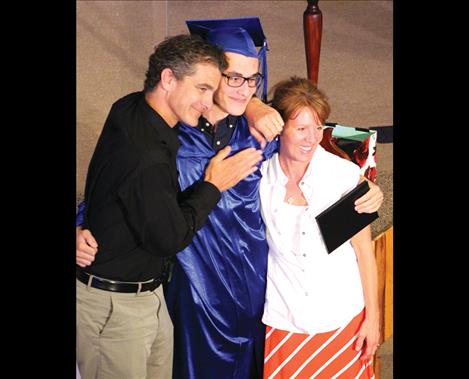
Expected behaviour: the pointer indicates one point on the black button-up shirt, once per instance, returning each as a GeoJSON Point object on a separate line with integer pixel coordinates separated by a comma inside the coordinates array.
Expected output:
{"type": "Point", "coordinates": [134, 206]}
{"type": "Point", "coordinates": [218, 137]}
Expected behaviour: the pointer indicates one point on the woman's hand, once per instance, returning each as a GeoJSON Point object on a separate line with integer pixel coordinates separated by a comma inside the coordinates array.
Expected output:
{"type": "Point", "coordinates": [371, 201]}
{"type": "Point", "coordinates": [368, 337]}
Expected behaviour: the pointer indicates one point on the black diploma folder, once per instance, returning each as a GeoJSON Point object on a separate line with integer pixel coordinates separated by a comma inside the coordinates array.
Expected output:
{"type": "Point", "coordinates": [341, 221]}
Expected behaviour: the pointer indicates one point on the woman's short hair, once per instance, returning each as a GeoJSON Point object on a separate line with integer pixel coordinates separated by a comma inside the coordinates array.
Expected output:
{"type": "Point", "coordinates": [292, 94]}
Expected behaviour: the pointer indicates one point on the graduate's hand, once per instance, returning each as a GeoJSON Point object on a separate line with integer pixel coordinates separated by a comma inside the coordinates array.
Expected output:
{"type": "Point", "coordinates": [264, 122]}
{"type": "Point", "coordinates": [86, 246]}
{"type": "Point", "coordinates": [226, 172]}
{"type": "Point", "coordinates": [371, 201]}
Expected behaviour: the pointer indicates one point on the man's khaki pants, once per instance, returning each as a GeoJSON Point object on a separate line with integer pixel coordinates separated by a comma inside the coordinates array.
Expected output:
{"type": "Point", "coordinates": [123, 335]}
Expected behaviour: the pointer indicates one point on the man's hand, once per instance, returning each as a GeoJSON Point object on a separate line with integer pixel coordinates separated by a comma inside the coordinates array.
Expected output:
{"type": "Point", "coordinates": [86, 247]}
{"type": "Point", "coordinates": [371, 201]}
{"type": "Point", "coordinates": [264, 121]}
{"type": "Point", "coordinates": [226, 172]}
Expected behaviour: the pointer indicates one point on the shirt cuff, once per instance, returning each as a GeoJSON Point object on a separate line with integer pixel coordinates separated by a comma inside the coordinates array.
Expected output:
{"type": "Point", "coordinates": [211, 194]}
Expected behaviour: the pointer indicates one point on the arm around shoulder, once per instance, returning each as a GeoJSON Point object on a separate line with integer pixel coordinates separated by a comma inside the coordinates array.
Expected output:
{"type": "Point", "coordinates": [264, 121]}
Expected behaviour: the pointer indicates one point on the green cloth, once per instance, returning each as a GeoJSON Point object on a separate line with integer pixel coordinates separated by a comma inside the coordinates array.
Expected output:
{"type": "Point", "coordinates": [350, 133]}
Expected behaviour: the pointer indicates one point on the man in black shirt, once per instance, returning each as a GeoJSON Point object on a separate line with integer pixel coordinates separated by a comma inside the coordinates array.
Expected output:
{"type": "Point", "coordinates": [139, 215]}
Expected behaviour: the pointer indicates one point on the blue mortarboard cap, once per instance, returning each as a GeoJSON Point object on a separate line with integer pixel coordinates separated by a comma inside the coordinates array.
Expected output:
{"type": "Point", "coordinates": [236, 35]}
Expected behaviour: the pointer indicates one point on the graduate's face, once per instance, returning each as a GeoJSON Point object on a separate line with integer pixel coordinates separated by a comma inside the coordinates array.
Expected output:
{"type": "Point", "coordinates": [234, 100]}
{"type": "Point", "coordinates": [192, 95]}
{"type": "Point", "coordinates": [301, 135]}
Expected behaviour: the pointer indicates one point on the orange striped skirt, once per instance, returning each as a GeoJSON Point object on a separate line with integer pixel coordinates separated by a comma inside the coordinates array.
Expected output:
{"type": "Point", "coordinates": [326, 355]}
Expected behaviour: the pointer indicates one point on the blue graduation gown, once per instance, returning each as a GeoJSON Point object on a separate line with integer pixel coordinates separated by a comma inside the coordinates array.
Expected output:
{"type": "Point", "coordinates": [216, 293]}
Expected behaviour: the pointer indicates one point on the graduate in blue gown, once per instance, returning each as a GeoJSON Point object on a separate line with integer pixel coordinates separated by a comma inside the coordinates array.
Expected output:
{"type": "Point", "coordinates": [216, 293]}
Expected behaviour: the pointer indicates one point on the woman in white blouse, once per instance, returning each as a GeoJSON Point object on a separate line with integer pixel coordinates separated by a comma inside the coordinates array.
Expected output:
{"type": "Point", "coordinates": [321, 309]}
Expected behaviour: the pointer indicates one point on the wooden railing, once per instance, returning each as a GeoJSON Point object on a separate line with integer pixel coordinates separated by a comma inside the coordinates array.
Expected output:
{"type": "Point", "coordinates": [312, 29]}
{"type": "Point", "coordinates": [383, 248]}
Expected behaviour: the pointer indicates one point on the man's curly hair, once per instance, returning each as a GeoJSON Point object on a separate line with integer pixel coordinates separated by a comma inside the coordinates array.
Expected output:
{"type": "Point", "coordinates": [181, 53]}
